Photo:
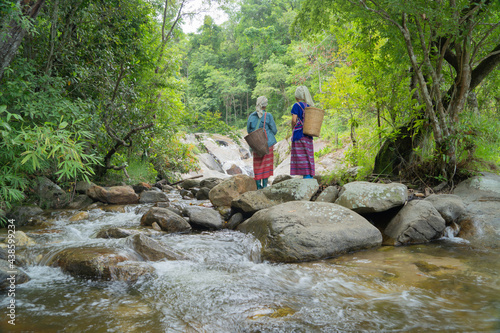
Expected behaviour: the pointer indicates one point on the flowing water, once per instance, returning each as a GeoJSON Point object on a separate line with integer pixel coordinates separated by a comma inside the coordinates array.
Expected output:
{"type": "Point", "coordinates": [445, 286]}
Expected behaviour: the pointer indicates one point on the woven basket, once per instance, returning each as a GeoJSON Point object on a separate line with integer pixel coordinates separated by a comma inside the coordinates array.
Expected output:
{"type": "Point", "coordinates": [258, 142]}
{"type": "Point", "coordinates": [313, 118]}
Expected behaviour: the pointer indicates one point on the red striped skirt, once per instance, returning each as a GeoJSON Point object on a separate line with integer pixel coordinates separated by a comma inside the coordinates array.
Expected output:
{"type": "Point", "coordinates": [302, 160]}
{"type": "Point", "coordinates": [263, 167]}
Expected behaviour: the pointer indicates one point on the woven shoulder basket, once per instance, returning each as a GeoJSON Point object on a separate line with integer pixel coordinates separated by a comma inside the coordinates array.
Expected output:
{"type": "Point", "coordinates": [313, 118]}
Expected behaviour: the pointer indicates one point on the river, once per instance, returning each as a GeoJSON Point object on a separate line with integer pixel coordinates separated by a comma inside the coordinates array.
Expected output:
{"type": "Point", "coordinates": [444, 286]}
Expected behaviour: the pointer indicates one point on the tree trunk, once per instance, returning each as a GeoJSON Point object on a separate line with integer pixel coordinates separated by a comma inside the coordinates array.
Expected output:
{"type": "Point", "coordinates": [14, 32]}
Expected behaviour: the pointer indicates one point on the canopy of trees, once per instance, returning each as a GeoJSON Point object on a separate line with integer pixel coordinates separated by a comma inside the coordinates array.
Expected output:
{"type": "Point", "coordinates": [89, 87]}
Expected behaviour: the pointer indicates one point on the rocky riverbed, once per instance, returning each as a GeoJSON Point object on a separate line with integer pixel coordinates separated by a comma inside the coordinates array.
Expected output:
{"type": "Point", "coordinates": [293, 256]}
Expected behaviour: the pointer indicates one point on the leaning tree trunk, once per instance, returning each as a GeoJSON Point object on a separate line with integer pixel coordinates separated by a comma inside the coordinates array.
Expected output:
{"type": "Point", "coordinates": [14, 32]}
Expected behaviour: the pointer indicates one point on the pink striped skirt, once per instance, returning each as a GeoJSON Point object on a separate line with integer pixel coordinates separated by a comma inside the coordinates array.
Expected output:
{"type": "Point", "coordinates": [302, 160]}
{"type": "Point", "coordinates": [263, 167]}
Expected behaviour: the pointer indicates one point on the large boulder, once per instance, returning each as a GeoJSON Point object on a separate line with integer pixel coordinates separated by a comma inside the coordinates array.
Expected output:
{"type": "Point", "coordinates": [82, 186]}
{"type": "Point", "coordinates": [152, 197]}
{"type": "Point", "coordinates": [152, 250]}
{"type": "Point", "coordinates": [166, 219]}
{"type": "Point", "coordinates": [120, 195]}
{"type": "Point", "coordinates": [231, 188]}
{"type": "Point", "coordinates": [481, 196]}
{"type": "Point", "coordinates": [206, 218]}
{"type": "Point", "coordinates": [50, 194]}
{"type": "Point", "coordinates": [80, 201]}
{"type": "Point", "coordinates": [365, 197]}
{"type": "Point", "coordinates": [417, 222]}
{"type": "Point", "coordinates": [450, 206]}
{"type": "Point", "coordinates": [24, 215]}
{"type": "Point", "coordinates": [305, 231]}
{"type": "Point", "coordinates": [289, 190]}
{"type": "Point", "coordinates": [96, 263]}
{"type": "Point", "coordinates": [11, 275]}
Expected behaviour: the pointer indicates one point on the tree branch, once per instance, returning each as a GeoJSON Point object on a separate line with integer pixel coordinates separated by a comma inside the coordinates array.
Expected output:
{"type": "Point", "coordinates": [486, 66]}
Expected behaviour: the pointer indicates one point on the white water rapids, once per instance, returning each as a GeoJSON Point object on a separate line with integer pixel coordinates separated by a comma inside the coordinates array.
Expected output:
{"type": "Point", "coordinates": [444, 286]}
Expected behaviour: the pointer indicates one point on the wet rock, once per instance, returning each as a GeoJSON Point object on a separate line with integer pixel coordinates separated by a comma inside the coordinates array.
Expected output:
{"type": "Point", "coordinates": [166, 219]}
{"type": "Point", "coordinates": [80, 201]}
{"type": "Point", "coordinates": [23, 215]}
{"type": "Point", "coordinates": [172, 206]}
{"type": "Point", "coordinates": [281, 178]}
{"type": "Point", "coordinates": [305, 231]}
{"type": "Point", "coordinates": [167, 188]}
{"type": "Point", "coordinates": [194, 191]}
{"type": "Point", "coordinates": [365, 197]}
{"type": "Point", "coordinates": [289, 190]}
{"type": "Point", "coordinates": [122, 195]}
{"type": "Point", "coordinates": [131, 271]}
{"type": "Point", "coordinates": [153, 197]}
{"type": "Point", "coordinates": [234, 170]}
{"type": "Point", "coordinates": [245, 153]}
{"type": "Point", "coordinates": [329, 194]}
{"type": "Point", "coordinates": [50, 194]}
{"type": "Point", "coordinates": [210, 162]}
{"type": "Point", "coordinates": [230, 189]}
{"type": "Point", "coordinates": [82, 186]}
{"type": "Point", "coordinates": [211, 182]}
{"type": "Point", "coordinates": [113, 208]}
{"type": "Point", "coordinates": [417, 222]}
{"type": "Point", "coordinates": [9, 279]}
{"type": "Point", "coordinates": [225, 212]}
{"type": "Point", "coordinates": [21, 239]}
{"type": "Point", "coordinates": [188, 184]}
{"type": "Point", "coordinates": [234, 221]}
{"type": "Point", "coordinates": [450, 206]}
{"type": "Point", "coordinates": [113, 233]}
{"type": "Point", "coordinates": [96, 263]}
{"type": "Point", "coordinates": [481, 223]}
{"type": "Point", "coordinates": [186, 194]}
{"type": "Point", "coordinates": [79, 216]}
{"type": "Point", "coordinates": [202, 194]}
{"type": "Point", "coordinates": [141, 187]}
{"type": "Point", "coordinates": [205, 218]}
{"type": "Point", "coordinates": [19, 259]}
{"type": "Point", "coordinates": [152, 250]}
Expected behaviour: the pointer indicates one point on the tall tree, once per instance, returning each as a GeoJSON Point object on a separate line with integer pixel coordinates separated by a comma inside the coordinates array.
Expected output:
{"type": "Point", "coordinates": [16, 19]}
{"type": "Point", "coordinates": [451, 47]}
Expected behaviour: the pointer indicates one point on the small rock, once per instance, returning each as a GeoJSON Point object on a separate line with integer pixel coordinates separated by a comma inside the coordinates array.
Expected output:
{"type": "Point", "coordinates": [79, 217]}
{"type": "Point", "coordinates": [152, 250]}
{"type": "Point", "coordinates": [113, 233]}
{"type": "Point", "coordinates": [166, 219]}
{"type": "Point", "coordinates": [206, 218]}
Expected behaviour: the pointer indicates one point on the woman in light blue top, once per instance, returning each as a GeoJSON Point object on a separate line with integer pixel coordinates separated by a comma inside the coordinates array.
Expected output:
{"type": "Point", "coordinates": [263, 167]}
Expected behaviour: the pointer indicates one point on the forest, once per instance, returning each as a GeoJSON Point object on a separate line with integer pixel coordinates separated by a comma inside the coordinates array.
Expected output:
{"type": "Point", "coordinates": [106, 90]}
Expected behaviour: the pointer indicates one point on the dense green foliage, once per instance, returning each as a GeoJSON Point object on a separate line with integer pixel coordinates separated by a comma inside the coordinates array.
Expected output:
{"type": "Point", "coordinates": [94, 86]}
{"type": "Point", "coordinates": [354, 58]}
{"type": "Point", "coordinates": [101, 88]}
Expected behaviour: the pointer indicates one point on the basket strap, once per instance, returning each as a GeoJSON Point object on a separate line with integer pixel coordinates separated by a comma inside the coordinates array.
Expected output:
{"type": "Point", "coordinates": [300, 123]}
{"type": "Point", "coordinates": [264, 127]}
